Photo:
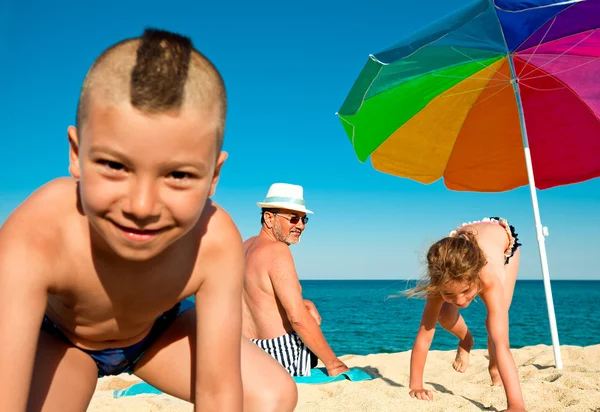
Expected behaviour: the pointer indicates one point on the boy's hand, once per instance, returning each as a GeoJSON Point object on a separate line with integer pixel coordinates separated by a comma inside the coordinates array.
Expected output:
{"type": "Point", "coordinates": [422, 394]}
{"type": "Point", "coordinates": [518, 409]}
{"type": "Point", "coordinates": [336, 368]}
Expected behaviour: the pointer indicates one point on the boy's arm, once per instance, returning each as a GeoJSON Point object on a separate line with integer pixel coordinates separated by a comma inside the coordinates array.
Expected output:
{"type": "Point", "coordinates": [218, 385]}
{"type": "Point", "coordinates": [497, 326]}
{"type": "Point", "coordinates": [289, 292]}
{"type": "Point", "coordinates": [418, 356]}
{"type": "Point", "coordinates": [23, 297]}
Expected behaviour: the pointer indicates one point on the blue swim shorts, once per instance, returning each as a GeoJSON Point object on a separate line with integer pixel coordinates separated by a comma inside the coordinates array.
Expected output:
{"type": "Point", "coordinates": [113, 361]}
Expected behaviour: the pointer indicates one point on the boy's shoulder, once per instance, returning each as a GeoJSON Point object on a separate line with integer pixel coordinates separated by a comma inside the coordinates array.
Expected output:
{"type": "Point", "coordinates": [44, 216]}
{"type": "Point", "coordinates": [54, 198]}
{"type": "Point", "coordinates": [217, 229]}
{"type": "Point", "coordinates": [36, 231]}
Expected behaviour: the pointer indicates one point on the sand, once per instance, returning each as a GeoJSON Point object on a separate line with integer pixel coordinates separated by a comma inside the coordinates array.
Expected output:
{"type": "Point", "coordinates": [574, 388]}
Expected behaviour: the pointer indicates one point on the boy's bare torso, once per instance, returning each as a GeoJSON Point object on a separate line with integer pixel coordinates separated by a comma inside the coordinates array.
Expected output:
{"type": "Point", "coordinates": [97, 300]}
{"type": "Point", "coordinates": [264, 316]}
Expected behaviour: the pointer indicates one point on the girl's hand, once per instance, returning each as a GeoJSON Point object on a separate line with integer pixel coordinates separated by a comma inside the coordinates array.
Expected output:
{"type": "Point", "coordinates": [519, 409]}
{"type": "Point", "coordinates": [422, 394]}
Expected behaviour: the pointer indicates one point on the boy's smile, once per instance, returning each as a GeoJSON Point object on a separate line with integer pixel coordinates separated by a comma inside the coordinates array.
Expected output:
{"type": "Point", "coordinates": [144, 178]}
{"type": "Point", "coordinates": [139, 235]}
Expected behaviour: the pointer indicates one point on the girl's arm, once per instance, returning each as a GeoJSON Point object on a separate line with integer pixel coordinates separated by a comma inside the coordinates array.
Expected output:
{"type": "Point", "coordinates": [497, 326]}
{"type": "Point", "coordinates": [421, 346]}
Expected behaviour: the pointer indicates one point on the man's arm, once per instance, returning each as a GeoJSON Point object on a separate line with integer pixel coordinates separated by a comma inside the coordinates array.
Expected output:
{"type": "Point", "coordinates": [312, 309]}
{"type": "Point", "coordinates": [23, 298]}
{"type": "Point", "coordinates": [421, 346]}
{"type": "Point", "coordinates": [218, 385]}
{"type": "Point", "coordinates": [287, 289]}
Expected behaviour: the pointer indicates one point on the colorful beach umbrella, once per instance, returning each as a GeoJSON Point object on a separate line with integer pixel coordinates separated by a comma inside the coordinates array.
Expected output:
{"type": "Point", "coordinates": [498, 95]}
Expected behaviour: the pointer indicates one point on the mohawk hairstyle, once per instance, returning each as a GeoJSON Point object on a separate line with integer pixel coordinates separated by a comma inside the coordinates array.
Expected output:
{"type": "Point", "coordinates": [161, 70]}
{"type": "Point", "coordinates": [157, 72]}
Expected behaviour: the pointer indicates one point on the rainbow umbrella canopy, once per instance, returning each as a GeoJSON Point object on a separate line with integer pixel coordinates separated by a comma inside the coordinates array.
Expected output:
{"type": "Point", "coordinates": [442, 102]}
{"type": "Point", "coordinates": [498, 95]}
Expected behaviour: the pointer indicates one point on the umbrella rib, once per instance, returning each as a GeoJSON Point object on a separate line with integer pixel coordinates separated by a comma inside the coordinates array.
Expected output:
{"type": "Point", "coordinates": [538, 7]}
{"type": "Point", "coordinates": [572, 3]}
{"type": "Point", "coordinates": [476, 90]}
{"type": "Point", "coordinates": [460, 77]}
{"type": "Point", "coordinates": [362, 100]}
{"type": "Point", "coordinates": [419, 48]}
{"type": "Point", "coordinates": [562, 54]}
{"type": "Point", "coordinates": [561, 71]}
{"type": "Point", "coordinates": [492, 95]}
{"type": "Point", "coordinates": [587, 106]}
{"type": "Point", "coordinates": [541, 90]}
{"type": "Point", "coordinates": [344, 120]}
{"type": "Point", "coordinates": [524, 51]}
{"type": "Point", "coordinates": [568, 55]}
{"type": "Point", "coordinates": [536, 47]}
{"type": "Point", "coordinates": [478, 62]}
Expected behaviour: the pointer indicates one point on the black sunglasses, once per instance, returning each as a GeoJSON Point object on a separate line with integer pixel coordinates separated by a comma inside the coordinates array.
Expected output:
{"type": "Point", "coordinates": [294, 219]}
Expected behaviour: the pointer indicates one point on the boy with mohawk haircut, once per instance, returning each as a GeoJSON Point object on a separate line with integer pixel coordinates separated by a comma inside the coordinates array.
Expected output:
{"type": "Point", "coordinates": [95, 269]}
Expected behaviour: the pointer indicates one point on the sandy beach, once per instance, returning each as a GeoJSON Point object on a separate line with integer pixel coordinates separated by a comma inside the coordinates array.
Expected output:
{"type": "Point", "coordinates": [574, 388]}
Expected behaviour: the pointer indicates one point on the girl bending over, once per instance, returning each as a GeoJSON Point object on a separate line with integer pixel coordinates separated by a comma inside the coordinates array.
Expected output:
{"type": "Point", "coordinates": [479, 258]}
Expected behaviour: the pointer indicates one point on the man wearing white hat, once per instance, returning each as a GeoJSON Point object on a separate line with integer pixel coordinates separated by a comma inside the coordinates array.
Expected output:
{"type": "Point", "coordinates": [276, 317]}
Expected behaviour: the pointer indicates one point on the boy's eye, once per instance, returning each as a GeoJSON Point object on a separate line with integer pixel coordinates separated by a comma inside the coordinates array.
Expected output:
{"type": "Point", "coordinates": [181, 175]}
{"type": "Point", "coordinates": [112, 165]}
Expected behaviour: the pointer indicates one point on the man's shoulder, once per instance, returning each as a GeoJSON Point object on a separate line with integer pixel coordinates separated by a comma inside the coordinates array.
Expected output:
{"type": "Point", "coordinates": [273, 248]}
{"type": "Point", "coordinates": [279, 248]}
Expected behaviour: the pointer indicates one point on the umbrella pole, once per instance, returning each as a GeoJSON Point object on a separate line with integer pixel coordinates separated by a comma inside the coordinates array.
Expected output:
{"type": "Point", "coordinates": [539, 229]}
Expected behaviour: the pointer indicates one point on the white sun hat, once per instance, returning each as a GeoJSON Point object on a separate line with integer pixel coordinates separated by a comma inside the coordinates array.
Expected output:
{"type": "Point", "coordinates": [285, 196]}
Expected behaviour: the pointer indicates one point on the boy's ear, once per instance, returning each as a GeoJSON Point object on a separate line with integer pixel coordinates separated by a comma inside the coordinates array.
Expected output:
{"type": "Point", "coordinates": [220, 160]}
{"type": "Point", "coordinates": [74, 168]}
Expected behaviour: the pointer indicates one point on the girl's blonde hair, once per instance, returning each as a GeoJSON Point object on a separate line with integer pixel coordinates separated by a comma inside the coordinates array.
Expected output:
{"type": "Point", "coordinates": [452, 259]}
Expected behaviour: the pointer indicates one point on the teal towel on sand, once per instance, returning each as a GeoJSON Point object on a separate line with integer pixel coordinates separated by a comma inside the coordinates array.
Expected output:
{"type": "Point", "coordinates": [318, 375]}
{"type": "Point", "coordinates": [141, 388]}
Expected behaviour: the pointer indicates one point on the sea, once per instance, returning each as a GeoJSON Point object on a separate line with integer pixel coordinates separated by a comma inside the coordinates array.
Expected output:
{"type": "Point", "coordinates": [362, 317]}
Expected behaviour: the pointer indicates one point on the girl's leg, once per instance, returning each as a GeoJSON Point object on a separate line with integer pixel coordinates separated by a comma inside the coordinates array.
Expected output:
{"type": "Point", "coordinates": [454, 323]}
{"type": "Point", "coordinates": [510, 278]}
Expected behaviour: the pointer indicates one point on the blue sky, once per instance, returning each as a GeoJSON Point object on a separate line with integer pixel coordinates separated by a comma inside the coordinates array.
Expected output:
{"type": "Point", "coordinates": [287, 67]}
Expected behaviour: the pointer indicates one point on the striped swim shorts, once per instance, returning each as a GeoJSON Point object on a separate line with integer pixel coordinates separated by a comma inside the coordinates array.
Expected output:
{"type": "Point", "coordinates": [290, 352]}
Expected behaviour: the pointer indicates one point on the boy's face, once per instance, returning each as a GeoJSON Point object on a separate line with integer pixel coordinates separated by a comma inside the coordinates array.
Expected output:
{"type": "Point", "coordinates": [144, 178]}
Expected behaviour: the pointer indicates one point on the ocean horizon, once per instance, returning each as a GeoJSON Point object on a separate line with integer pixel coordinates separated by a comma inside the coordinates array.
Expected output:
{"type": "Point", "coordinates": [361, 317]}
